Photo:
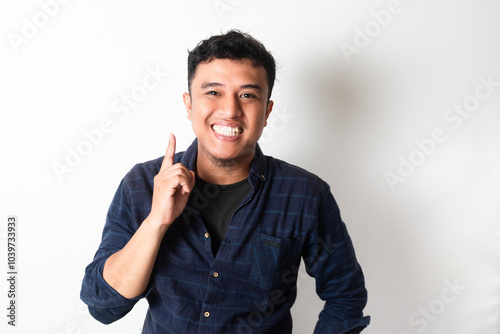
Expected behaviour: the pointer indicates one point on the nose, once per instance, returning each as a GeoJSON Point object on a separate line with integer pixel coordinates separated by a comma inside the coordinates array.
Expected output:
{"type": "Point", "coordinates": [230, 106]}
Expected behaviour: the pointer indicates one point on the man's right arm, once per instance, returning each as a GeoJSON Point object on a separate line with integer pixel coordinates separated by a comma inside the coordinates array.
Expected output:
{"type": "Point", "coordinates": [127, 271]}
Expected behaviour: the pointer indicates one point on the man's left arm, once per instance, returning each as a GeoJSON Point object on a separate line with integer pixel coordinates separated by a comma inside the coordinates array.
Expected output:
{"type": "Point", "coordinates": [329, 257]}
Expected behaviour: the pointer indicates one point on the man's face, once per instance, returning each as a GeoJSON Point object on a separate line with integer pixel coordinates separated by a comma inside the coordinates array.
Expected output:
{"type": "Point", "coordinates": [228, 107]}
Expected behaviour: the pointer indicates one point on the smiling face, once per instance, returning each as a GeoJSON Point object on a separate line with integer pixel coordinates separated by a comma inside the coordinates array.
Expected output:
{"type": "Point", "coordinates": [228, 108]}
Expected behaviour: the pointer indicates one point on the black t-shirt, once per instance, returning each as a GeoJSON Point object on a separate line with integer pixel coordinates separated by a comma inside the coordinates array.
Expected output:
{"type": "Point", "coordinates": [221, 202]}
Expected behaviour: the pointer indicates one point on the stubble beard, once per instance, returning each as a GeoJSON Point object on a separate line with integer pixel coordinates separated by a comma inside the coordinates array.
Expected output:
{"type": "Point", "coordinates": [228, 163]}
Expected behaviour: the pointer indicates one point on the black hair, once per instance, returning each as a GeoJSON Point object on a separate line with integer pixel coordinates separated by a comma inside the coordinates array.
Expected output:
{"type": "Point", "coordinates": [233, 45]}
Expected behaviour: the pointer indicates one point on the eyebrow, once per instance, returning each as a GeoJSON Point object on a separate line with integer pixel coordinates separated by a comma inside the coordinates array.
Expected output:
{"type": "Point", "coordinates": [216, 84]}
{"type": "Point", "coordinates": [257, 87]}
{"type": "Point", "coordinates": [210, 84]}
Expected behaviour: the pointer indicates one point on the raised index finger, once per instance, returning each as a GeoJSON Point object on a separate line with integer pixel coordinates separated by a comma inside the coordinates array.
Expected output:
{"type": "Point", "coordinates": [168, 160]}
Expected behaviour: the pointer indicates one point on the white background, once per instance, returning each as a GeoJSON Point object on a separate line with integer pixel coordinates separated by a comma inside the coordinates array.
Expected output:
{"type": "Point", "coordinates": [349, 119]}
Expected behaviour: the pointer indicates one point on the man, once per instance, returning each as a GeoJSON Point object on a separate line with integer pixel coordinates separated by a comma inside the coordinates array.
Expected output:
{"type": "Point", "coordinates": [212, 237]}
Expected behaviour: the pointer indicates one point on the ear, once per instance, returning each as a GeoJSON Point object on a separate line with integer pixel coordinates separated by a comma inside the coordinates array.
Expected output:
{"type": "Point", "coordinates": [187, 102]}
{"type": "Point", "coordinates": [269, 108]}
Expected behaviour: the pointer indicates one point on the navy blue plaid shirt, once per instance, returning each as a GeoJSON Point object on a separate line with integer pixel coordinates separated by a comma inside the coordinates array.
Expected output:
{"type": "Point", "coordinates": [250, 286]}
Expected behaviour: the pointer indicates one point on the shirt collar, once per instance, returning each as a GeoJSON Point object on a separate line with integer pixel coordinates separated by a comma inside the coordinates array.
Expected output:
{"type": "Point", "coordinates": [257, 168]}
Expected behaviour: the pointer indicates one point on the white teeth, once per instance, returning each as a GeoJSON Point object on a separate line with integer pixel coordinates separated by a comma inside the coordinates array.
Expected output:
{"type": "Point", "coordinates": [226, 130]}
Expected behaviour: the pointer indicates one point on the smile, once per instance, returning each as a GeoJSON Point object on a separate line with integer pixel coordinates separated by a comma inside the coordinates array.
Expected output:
{"type": "Point", "coordinates": [227, 131]}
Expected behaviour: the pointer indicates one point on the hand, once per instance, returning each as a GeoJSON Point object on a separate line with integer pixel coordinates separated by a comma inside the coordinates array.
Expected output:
{"type": "Point", "coordinates": [172, 186]}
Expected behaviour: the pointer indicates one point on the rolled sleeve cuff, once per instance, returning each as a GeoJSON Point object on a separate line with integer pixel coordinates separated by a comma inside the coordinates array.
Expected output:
{"type": "Point", "coordinates": [105, 303]}
{"type": "Point", "coordinates": [352, 326]}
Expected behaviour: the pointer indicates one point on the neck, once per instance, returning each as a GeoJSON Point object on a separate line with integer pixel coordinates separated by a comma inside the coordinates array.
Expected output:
{"type": "Point", "coordinates": [222, 171]}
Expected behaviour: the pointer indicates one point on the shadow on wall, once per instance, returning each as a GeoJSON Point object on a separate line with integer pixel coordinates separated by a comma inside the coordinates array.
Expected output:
{"type": "Point", "coordinates": [352, 111]}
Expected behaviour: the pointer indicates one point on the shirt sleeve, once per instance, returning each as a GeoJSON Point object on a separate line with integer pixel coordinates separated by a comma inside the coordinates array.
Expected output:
{"type": "Point", "coordinates": [105, 303]}
{"type": "Point", "coordinates": [329, 258]}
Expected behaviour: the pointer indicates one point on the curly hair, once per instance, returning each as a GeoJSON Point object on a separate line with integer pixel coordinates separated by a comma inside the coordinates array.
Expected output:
{"type": "Point", "coordinates": [233, 45]}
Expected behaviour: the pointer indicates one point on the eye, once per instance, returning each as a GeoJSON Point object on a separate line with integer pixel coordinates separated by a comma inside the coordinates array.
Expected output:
{"type": "Point", "coordinates": [248, 96]}
{"type": "Point", "coordinates": [212, 93]}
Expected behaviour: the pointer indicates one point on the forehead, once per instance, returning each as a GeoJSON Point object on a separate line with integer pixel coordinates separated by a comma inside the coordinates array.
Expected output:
{"type": "Point", "coordinates": [228, 71]}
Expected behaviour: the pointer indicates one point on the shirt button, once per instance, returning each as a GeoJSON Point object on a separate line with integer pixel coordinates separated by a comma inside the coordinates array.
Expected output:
{"type": "Point", "coordinates": [206, 314]}
{"type": "Point", "coordinates": [262, 176]}
{"type": "Point", "coordinates": [207, 235]}
{"type": "Point", "coordinates": [215, 274]}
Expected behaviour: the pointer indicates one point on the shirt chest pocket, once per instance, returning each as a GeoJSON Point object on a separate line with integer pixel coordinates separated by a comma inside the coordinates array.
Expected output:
{"type": "Point", "coordinates": [275, 261]}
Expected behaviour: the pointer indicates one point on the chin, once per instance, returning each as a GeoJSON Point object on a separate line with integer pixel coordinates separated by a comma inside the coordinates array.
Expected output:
{"type": "Point", "coordinates": [224, 156]}
{"type": "Point", "coordinates": [224, 160]}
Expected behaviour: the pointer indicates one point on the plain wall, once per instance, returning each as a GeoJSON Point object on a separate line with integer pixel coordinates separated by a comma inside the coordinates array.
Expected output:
{"type": "Point", "coordinates": [394, 111]}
